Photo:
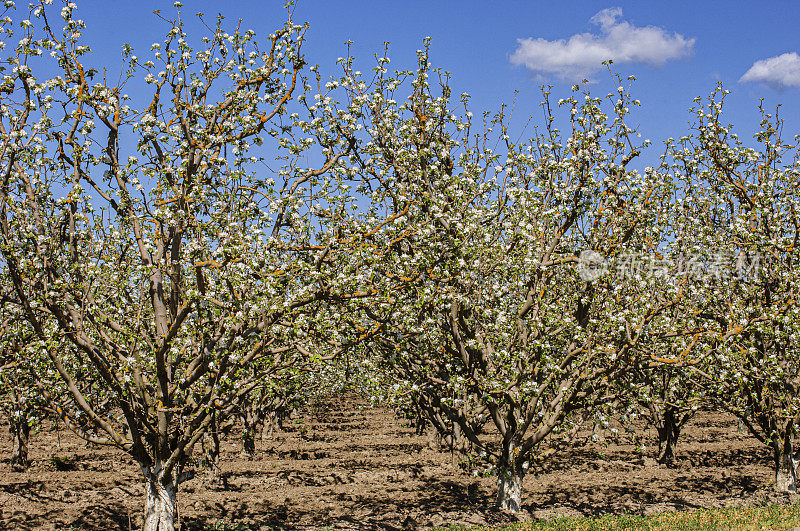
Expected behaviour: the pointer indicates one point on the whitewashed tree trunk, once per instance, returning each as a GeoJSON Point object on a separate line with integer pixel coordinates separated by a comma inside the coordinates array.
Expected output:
{"type": "Point", "coordinates": [509, 480]}
{"type": "Point", "coordinates": [786, 463]}
{"type": "Point", "coordinates": [509, 489]}
{"type": "Point", "coordinates": [161, 501]}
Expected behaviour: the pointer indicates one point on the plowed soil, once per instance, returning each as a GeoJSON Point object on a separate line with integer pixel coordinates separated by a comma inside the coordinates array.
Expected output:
{"type": "Point", "coordinates": [344, 465]}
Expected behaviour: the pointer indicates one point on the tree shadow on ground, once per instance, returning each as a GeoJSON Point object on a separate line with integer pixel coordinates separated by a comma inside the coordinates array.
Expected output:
{"type": "Point", "coordinates": [250, 515]}
{"type": "Point", "coordinates": [370, 510]}
{"type": "Point", "coordinates": [105, 516]}
{"type": "Point", "coordinates": [728, 458]}
{"type": "Point", "coordinates": [31, 490]}
{"type": "Point", "coordinates": [590, 501]}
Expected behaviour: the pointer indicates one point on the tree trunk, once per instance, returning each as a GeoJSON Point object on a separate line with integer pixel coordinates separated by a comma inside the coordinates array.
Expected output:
{"type": "Point", "coordinates": [215, 477]}
{"type": "Point", "coordinates": [249, 442]}
{"type": "Point", "coordinates": [785, 465]}
{"type": "Point", "coordinates": [250, 431]}
{"type": "Point", "coordinates": [434, 438]}
{"type": "Point", "coordinates": [509, 481]}
{"type": "Point", "coordinates": [271, 423]}
{"type": "Point", "coordinates": [211, 453]}
{"type": "Point", "coordinates": [456, 446]}
{"type": "Point", "coordinates": [509, 488]}
{"type": "Point", "coordinates": [252, 415]}
{"type": "Point", "coordinates": [274, 419]}
{"type": "Point", "coordinates": [161, 501]}
{"type": "Point", "coordinates": [668, 434]}
{"type": "Point", "coordinates": [20, 430]}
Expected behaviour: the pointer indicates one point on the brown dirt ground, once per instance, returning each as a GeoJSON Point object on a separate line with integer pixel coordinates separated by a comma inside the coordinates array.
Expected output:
{"type": "Point", "coordinates": [344, 465]}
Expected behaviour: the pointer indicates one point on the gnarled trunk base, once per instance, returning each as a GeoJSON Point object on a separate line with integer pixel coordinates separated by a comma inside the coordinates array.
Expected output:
{"type": "Point", "coordinates": [509, 489]}
{"type": "Point", "coordinates": [667, 442]}
{"type": "Point", "coordinates": [786, 463]}
{"type": "Point", "coordinates": [672, 421]}
{"type": "Point", "coordinates": [160, 505]}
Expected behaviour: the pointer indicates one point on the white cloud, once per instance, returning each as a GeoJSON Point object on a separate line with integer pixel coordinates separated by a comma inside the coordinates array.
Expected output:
{"type": "Point", "coordinates": [778, 72]}
{"type": "Point", "coordinates": [583, 53]}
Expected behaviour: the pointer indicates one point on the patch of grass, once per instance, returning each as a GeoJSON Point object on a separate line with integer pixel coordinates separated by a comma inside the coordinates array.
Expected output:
{"type": "Point", "coordinates": [770, 517]}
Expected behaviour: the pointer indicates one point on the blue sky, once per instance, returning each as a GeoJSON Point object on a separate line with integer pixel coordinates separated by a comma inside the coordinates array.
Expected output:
{"type": "Point", "coordinates": [677, 49]}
